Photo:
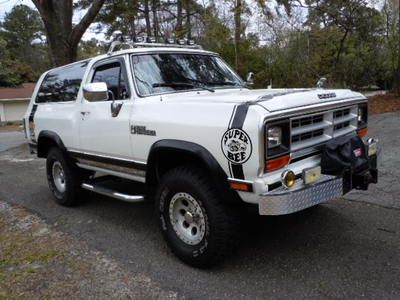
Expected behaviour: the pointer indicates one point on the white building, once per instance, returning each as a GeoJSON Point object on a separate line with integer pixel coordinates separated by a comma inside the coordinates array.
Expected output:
{"type": "Point", "coordinates": [14, 102]}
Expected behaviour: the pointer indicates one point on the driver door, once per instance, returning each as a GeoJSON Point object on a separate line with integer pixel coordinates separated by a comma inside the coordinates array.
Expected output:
{"type": "Point", "coordinates": [104, 131]}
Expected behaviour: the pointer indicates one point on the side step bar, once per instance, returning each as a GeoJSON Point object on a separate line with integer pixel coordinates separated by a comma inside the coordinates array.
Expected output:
{"type": "Point", "coordinates": [113, 194]}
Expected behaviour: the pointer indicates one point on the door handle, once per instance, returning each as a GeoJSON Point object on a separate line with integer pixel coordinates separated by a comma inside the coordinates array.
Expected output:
{"type": "Point", "coordinates": [84, 113]}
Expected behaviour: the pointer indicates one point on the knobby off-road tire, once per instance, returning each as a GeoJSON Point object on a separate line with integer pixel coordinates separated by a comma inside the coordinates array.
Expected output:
{"type": "Point", "coordinates": [198, 228]}
{"type": "Point", "coordinates": [64, 178]}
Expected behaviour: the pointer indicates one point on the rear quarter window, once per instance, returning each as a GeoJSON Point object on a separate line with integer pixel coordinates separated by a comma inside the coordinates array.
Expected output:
{"type": "Point", "coordinates": [62, 84]}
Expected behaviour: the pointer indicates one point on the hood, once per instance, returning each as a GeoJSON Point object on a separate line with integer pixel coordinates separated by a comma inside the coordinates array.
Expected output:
{"type": "Point", "coordinates": [270, 99]}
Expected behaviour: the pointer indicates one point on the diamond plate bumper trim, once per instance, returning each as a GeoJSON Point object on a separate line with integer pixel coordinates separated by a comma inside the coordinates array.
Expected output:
{"type": "Point", "coordinates": [283, 201]}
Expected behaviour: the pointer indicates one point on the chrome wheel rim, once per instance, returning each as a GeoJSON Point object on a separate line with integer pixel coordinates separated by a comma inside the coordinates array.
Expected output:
{"type": "Point", "coordinates": [58, 177]}
{"type": "Point", "coordinates": [187, 218]}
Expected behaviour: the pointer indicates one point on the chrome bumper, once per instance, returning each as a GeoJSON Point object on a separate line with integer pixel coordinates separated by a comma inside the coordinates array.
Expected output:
{"type": "Point", "coordinates": [283, 201]}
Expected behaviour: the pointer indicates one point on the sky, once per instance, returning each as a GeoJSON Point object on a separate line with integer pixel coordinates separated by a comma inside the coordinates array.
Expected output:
{"type": "Point", "coordinates": [7, 5]}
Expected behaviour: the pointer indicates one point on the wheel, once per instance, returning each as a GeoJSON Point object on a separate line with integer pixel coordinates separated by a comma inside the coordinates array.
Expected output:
{"type": "Point", "coordinates": [64, 178]}
{"type": "Point", "coordinates": [195, 224]}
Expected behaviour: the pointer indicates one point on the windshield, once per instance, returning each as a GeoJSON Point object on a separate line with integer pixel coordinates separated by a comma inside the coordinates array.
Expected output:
{"type": "Point", "coordinates": [171, 72]}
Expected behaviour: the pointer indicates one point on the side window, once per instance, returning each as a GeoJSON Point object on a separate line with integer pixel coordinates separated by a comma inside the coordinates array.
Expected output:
{"type": "Point", "coordinates": [62, 84]}
{"type": "Point", "coordinates": [114, 76]}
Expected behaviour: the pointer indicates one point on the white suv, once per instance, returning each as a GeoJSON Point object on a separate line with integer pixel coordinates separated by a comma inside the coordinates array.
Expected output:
{"type": "Point", "coordinates": [186, 128]}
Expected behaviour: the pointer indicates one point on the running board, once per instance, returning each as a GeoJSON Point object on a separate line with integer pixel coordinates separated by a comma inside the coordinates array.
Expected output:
{"type": "Point", "coordinates": [113, 194]}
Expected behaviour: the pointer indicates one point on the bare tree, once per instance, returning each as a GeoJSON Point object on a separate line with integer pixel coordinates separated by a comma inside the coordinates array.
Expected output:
{"type": "Point", "coordinates": [63, 37]}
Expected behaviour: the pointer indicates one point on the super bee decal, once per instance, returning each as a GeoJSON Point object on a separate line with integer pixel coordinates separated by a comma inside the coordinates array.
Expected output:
{"type": "Point", "coordinates": [236, 146]}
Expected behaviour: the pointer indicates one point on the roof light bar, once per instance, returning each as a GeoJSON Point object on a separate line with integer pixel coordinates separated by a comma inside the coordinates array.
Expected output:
{"type": "Point", "coordinates": [139, 39]}
{"type": "Point", "coordinates": [150, 42]}
{"type": "Point", "coordinates": [150, 39]}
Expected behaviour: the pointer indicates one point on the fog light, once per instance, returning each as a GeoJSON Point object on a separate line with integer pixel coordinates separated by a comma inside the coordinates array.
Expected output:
{"type": "Point", "coordinates": [288, 178]}
{"type": "Point", "coordinates": [311, 175]}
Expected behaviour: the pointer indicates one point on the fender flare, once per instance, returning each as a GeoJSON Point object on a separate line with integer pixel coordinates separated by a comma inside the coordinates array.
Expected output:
{"type": "Point", "coordinates": [47, 135]}
{"type": "Point", "coordinates": [213, 168]}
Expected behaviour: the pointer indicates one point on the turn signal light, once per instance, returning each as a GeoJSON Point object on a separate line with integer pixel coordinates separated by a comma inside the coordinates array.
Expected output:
{"type": "Point", "coordinates": [362, 132]}
{"type": "Point", "coordinates": [240, 186]}
{"type": "Point", "coordinates": [277, 163]}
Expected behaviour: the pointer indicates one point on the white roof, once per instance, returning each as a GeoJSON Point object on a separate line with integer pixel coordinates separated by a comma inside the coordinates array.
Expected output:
{"type": "Point", "coordinates": [154, 49]}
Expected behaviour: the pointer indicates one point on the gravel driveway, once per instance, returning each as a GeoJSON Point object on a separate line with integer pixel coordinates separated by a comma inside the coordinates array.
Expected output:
{"type": "Point", "coordinates": [347, 248]}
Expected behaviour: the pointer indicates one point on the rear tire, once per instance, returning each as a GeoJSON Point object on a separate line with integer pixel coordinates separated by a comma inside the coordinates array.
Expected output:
{"type": "Point", "coordinates": [198, 228]}
{"type": "Point", "coordinates": [64, 178]}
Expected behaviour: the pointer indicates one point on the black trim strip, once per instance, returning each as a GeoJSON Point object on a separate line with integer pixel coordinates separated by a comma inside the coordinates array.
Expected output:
{"type": "Point", "coordinates": [33, 111]}
{"type": "Point", "coordinates": [237, 120]}
{"type": "Point", "coordinates": [31, 125]}
{"type": "Point", "coordinates": [305, 156]}
{"type": "Point", "coordinates": [109, 160]}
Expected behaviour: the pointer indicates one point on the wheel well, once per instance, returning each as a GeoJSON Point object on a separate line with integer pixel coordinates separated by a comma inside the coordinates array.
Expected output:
{"type": "Point", "coordinates": [169, 159]}
{"type": "Point", "coordinates": [47, 140]}
{"type": "Point", "coordinates": [44, 145]}
{"type": "Point", "coordinates": [169, 154]}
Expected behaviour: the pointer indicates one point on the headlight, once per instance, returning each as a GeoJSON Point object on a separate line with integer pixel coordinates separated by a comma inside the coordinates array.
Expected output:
{"type": "Point", "coordinates": [274, 137]}
{"type": "Point", "coordinates": [277, 138]}
{"type": "Point", "coordinates": [360, 114]}
{"type": "Point", "coordinates": [362, 117]}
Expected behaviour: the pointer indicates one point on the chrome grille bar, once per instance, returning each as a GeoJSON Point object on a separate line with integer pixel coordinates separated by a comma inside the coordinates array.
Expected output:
{"type": "Point", "coordinates": [311, 130]}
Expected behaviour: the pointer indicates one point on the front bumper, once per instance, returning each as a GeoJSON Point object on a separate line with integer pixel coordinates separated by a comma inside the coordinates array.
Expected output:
{"type": "Point", "coordinates": [282, 201]}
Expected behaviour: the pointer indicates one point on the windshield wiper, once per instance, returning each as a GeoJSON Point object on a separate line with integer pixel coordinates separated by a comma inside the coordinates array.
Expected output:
{"type": "Point", "coordinates": [231, 83]}
{"type": "Point", "coordinates": [182, 84]}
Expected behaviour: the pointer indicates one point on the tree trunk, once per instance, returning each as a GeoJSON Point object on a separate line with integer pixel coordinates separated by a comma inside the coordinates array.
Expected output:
{"type": "Point", "coordinates": [154, 8]}
{"type": "Point", "coordinates": [340, 50]}
{"type": "Point", "coordinates": [63, 38]}
{"type": "Point", "coordinates": [238, 29]}
{"type": "Point", "coordinates": [179, 20]}
{"type": "Point", "coordinates": [147, 17]}
{"type": "Point", "coordinates": [133, 28]}
{"type": "Point", "coordinates": [188, 20]}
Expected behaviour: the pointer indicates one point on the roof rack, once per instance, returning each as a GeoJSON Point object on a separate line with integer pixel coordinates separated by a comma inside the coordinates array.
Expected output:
{"type": "Point", "coordinates": [133, 45]}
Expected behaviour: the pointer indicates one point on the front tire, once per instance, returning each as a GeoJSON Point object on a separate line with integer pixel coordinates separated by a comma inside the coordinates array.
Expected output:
{"type": "Point", "coordinates": [198, 228]}
{"type": "Point", "coordinates": [64, 178]}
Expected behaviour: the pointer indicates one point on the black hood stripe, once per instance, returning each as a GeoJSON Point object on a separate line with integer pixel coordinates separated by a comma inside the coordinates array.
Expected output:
{"type": "Point", "coordinates": [237, 121]}
{"type": "Point", "coordinates": [237, 171]}
{"type": "Point", "coordinates": [240, 116]}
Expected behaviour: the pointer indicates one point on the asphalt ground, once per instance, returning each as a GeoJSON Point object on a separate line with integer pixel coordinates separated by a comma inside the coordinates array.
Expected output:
{"type": "Point", "coordinates": [346, 248]}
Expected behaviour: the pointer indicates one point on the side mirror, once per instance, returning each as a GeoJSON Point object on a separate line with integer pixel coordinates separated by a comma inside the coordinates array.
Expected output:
{"type": "Point", "coordinates": [321, 83]}
{"type": "Point", "coordinates": [250, 78]}
{"type": "Point", "coordinates": [95, 91]}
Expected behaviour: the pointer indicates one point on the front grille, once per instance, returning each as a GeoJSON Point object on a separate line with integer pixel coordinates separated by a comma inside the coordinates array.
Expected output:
{"type": "Point", "coordinates": [307, 135]}
{"type": "Point", "coordinates": [307, 121]}
{"type": "Point", "coordinates": [341, 113]}
{"type": "Point", "coordinates": [311, 130]}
